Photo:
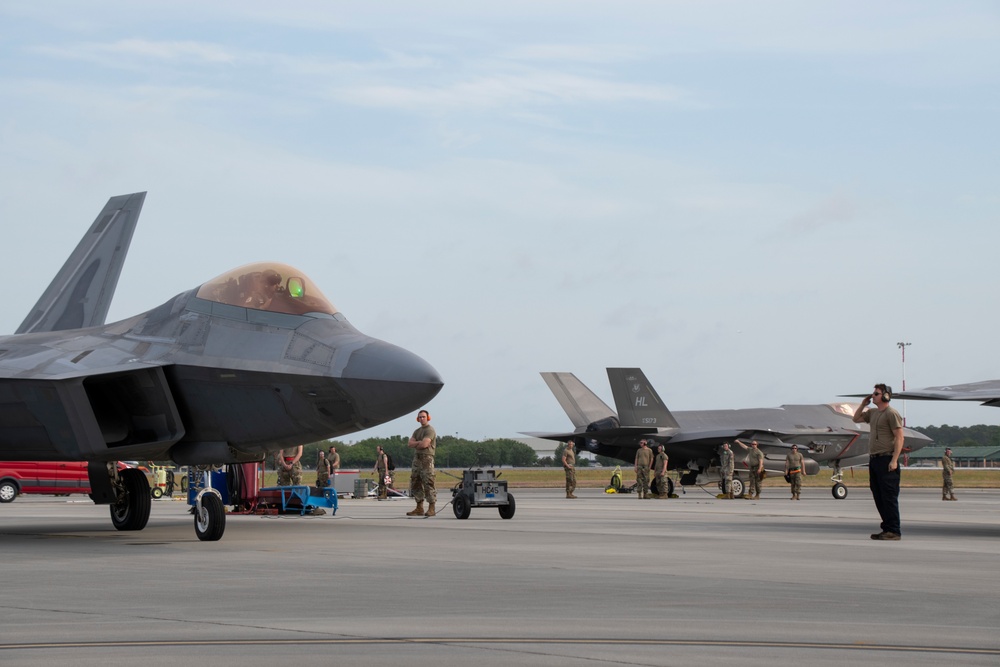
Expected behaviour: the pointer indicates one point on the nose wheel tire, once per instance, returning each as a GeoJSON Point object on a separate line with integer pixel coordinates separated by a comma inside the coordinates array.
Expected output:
{"type": "Point", "coordinates": [210, 520]}
{"type": "Point", "coordinates": [839, 491]}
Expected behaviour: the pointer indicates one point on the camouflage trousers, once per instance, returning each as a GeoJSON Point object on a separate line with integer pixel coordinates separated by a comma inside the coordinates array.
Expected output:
{"type": "Point", "coordinates": [422, 484]}
{"type": "Point", "coordinates": [642, 479]}
{"type": "Point", "coordinates": [660, 482]}
{"type": "Point", "coordinates": [322, 480]}
{"type": "Point", "coordinates": [796, 483]}
{"type": "Point", "coordinates": [570, 481]}
{"type": "Point", "coordinates": [727, 481]}
{"type": "Point", "coordinates": [948, 486]}
{"type": "Point", "coordinates": [291, 477]}
{"type": "Point", "coordinates": [753, 486]}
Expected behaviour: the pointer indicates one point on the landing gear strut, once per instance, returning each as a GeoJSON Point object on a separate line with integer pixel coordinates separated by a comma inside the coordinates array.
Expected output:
{"type": "Point", "coordinates": [839, 489]}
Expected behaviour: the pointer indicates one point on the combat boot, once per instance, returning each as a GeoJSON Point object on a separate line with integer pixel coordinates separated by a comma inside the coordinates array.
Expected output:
{"type": "Point", "coordinates": [430, 510]}
{"type": "Point", "coordinates": [419, 511]}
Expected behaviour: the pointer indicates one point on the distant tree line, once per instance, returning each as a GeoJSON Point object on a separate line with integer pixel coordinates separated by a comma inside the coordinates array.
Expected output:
{"type": "Point", "coordinates": [451, 452]}
{"type": "Point", "coordinates": [980, 435]}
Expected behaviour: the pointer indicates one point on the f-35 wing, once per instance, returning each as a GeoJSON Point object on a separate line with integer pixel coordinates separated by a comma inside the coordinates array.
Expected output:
{"type": "Point", "coordinates": [986, 392]}
{"type": "Point", "coordinates": [80, 294]}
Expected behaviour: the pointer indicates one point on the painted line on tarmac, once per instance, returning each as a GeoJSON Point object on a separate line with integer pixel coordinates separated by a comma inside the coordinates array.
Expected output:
{"type": "Point", "coordinates": [507, 641]}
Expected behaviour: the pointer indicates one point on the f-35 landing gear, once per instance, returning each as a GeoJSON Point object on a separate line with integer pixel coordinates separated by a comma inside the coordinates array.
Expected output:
{"type": "Point", "coordinates": [130, 509]}
{"type": "Point", "coordinates": [839, 489]}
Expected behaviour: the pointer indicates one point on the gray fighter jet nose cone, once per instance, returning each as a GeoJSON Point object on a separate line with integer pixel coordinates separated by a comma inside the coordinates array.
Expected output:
{"type": "Point", "coordinates": [379, 360]}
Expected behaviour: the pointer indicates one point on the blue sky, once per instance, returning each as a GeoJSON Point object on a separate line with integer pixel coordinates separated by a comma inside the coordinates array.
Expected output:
{"type": "Point", "coordinates": [754, 202]}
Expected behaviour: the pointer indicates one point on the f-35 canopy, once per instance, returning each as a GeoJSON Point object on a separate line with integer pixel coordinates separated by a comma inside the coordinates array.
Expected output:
{"type": "Point", "coordinates": [269, 286]}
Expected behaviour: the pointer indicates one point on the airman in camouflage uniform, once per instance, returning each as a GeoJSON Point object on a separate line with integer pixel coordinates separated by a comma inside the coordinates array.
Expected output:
{"type": "Point", "coordinates": [322, 471]}
{"type": "Point", "coordinates": [424, 442]}
{"type": "Point", "coordinates": [569, 466]}
{"type": "Point", "coordinates": [290, 466]}
{"type": "Point", "coordinates": [643, 460]}
{"type": "Point", "coordinates": [726, 462]}
{"type": "Point", "coordinates": [795, 468]}
{"type": "Point", "coordinates": [660, 472]}
{"type": "Point", "coordinates": [381, 472]}
{"type": "Point", "coordinates": [755, 461]}
{"type": "Point", "coordinates": [947, 470]}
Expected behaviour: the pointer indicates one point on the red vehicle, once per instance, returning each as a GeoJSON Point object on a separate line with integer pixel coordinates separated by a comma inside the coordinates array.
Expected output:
{"type": "Point", "coordinates": [54, 477]}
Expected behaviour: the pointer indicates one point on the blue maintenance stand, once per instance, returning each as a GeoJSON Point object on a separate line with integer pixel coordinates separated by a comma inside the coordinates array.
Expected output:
{"type": "Point", "coordinates": [301, 495]}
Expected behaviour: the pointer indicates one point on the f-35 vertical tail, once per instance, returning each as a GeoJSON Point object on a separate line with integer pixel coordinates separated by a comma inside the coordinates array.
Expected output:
{"type": "Point", "coordinates": [582, 406]}
{"type": "Point", "coordinates": [637, 402]}
{"type": "Point", "coordinates": [80, 294]}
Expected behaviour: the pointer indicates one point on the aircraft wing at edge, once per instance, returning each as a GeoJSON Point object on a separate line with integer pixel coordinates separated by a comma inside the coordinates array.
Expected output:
{"type": "Point", "coordinates": [986, 392]}
{"type": "Point", "coordinates": [80, 294]}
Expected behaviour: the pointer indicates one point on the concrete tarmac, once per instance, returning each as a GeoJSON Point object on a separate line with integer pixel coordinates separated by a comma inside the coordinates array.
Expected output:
{"type": "Point", "coordinates": [602, 580]}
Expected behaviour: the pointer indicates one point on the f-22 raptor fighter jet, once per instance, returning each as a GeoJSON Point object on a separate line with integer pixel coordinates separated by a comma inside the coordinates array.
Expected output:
{"type": "Point", "coordinates": [250, 362]}
{"type": "Point", "coordinates": [823, 433]}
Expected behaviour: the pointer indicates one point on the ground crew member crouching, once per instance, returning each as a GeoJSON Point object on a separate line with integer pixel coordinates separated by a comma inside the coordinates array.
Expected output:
{"type": "Point", "coordinates": [569, 466]}
{"type": "Point", "coordinates": [643, 460]}
{"type": "Point", "coordinates": [795, 468]}
{"type": "Point", "coordinates": [947, 470]}
{"type": "Point", "coordinates": [660, 472]}
{"type": "Point", "coordinates": [424, 443]}
{"type": "Point", "coordinates": [290, 466]}
{"type": "Point", "coordinates": [322, 471]}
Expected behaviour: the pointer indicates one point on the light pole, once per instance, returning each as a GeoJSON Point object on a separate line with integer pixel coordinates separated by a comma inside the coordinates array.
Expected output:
{"type": "Point", "coordinates": [902, 349]}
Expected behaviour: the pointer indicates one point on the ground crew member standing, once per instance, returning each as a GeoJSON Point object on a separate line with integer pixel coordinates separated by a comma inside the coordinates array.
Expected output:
{"type": "Point", "coordinates": [424, 443]}
{"type": "Point", "coordinates": [334, 458]}
{"type": "Point", "coordinates": [947, 470]}
{"type": "Point", "coordinates": [795, 467]}
{"type": "Point", "coordinates": [569, 465]}
{"type": "Point", "coordinates": [755, 461]}
{"type": "Point", "coordinates": [885, 444]}
{"type": "Point", "coordinates": [290, 466]}
{"type": "Point", "coordinates": [726, 461]}
{"type": "Point", "coordinates": [381, 470]}
{"type": "Point", "coordinates": [322, 471]}
{"type": "Point", "coordinates": [660, 472]}
{"type": "Point", "coordinates": [643, 460]}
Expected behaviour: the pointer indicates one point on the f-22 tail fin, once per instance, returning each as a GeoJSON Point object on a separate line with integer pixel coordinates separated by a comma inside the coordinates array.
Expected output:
{"type": "Point", "coordinates": [637, 402]}
{"type": "Point", "coordinates": [80, 294]}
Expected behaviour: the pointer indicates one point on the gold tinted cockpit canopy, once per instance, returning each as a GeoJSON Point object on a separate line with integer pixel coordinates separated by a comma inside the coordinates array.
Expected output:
{"type": "Point", "coordinates": [269, 286]}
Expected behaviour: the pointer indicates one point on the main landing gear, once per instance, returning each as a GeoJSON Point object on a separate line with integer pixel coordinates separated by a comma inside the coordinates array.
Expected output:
{"type": "Point", "coordinates": [130, 509]}
{"type": "Point", "coordinates": [132, 502]}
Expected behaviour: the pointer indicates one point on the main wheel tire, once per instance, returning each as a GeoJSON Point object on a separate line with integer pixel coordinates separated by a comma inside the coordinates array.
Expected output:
{"type": "Point", "coordinates": [461, 506]}
{"type": "Point", "coordinates": [210, 522]}
{"type": "Point", "coordinates": [507, 511]}
{"type": "Point", "coordinates": [156, 492]}
{"type": "Point", "coordinates": [131, 512]}
{"type": "Point", "coordinates": [839, 491]}
{"type": "Point", "coordinates": [8, 491]}
{"type": "Point", "coordinates": [738, 487]}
